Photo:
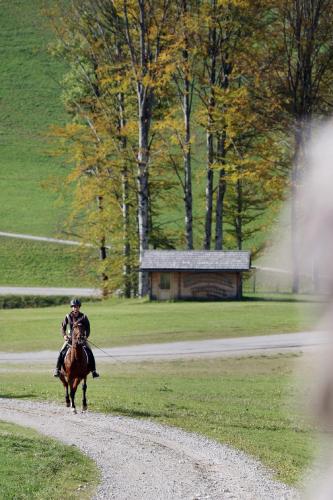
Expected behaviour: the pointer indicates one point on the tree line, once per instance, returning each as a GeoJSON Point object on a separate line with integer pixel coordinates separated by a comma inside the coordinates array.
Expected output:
{"type": "Point", "coordinates": [188, 121]}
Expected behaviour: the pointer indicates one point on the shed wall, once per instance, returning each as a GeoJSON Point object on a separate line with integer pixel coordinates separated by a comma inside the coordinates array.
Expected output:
{"type": "Point", "coordinates": [196, 285]}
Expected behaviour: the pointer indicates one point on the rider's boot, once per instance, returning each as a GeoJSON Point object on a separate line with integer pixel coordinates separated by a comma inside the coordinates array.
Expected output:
{"type": "Point", "coordinates": [92, 363]}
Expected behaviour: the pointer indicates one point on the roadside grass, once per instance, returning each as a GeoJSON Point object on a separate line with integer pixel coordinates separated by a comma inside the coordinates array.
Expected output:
{"type": "Point", "coordinates": [120, 322]}
{"type": "Point", "coordinates": [35, 467]}
{"type": "Point", "coordinates": [248, 403]}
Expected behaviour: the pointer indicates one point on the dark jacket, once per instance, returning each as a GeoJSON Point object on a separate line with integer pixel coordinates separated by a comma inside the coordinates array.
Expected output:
{"type": "Point", "coordinates": [69, 320]}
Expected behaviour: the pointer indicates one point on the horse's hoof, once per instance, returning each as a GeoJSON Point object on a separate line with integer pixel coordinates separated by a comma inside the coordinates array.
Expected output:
{"type": "Point", "coordinates": [68, 405]}
{"type": "Point", "coordinates": [84, 408]}
{"type": "Point", "coordinates": [74, 411]}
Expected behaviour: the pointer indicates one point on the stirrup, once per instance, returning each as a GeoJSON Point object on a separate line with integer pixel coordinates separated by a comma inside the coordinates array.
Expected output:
{"type": "Point", "coordinates": [95, 374]}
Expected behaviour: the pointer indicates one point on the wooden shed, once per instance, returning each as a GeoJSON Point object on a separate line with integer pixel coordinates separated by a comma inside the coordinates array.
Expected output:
{"type": "Point", "coordinates": [195, 274]}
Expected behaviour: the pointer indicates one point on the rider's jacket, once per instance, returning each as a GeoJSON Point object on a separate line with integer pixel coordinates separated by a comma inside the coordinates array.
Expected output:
{"type": "Point", "coordinates": [69, 320]}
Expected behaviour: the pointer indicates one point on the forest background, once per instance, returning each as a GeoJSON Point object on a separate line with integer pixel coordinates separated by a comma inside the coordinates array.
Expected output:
{"type": "Point", "coordinates": [188, 123]}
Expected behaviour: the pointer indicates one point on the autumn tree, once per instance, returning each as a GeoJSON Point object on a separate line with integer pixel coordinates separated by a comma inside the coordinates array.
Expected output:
{"type": "Point", "coordinates": [125, 43]}
{"type": "Point", "coordinates": [237, 123]}
{"type": "Point", "coordinates": [186, 24]}
{"type": "Point", "coordinates": [96, 100]}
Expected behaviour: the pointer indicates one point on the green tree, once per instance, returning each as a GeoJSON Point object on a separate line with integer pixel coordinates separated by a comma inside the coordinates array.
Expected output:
{"type": "Point", "coordinates": [299, 46]}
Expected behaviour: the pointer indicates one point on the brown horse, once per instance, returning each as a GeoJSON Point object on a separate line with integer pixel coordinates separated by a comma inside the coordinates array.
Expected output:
{"type": "Point", "coordinates": [75, 367]}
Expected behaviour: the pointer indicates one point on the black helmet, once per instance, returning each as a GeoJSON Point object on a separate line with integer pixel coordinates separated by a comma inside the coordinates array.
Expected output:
{"type": "Point", "coordinates": [75, 302]}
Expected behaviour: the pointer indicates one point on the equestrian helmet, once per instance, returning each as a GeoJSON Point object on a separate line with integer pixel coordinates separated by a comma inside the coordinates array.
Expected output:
{"type": "Point", "coordinates": [75, 302]}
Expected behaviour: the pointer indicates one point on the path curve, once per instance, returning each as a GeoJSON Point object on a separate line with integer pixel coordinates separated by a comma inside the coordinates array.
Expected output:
{"type": "Point", "coordinates": [144, 460]}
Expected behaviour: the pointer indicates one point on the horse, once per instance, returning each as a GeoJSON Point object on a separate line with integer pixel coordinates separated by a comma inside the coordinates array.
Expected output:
{"type": "Point", "coordinates": [75, 368]}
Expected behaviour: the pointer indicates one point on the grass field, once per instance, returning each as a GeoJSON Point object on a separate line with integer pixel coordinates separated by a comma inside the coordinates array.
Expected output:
{"type": "Point", "coordinates": [34, 467]}
{"type": "Point", "coordinates": [120, 322]}
{"type": "Point", "coordinates": [30, 103]}
{"type": "Point", "coordinates": [35, 263]}
{"type": "Point", "coordinates": [248, 403]}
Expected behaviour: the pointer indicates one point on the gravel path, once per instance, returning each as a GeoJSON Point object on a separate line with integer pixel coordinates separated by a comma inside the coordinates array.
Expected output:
{"type": "Point", "coordinates": [143, 460]}
{"type": "Point", "coordinates": [191, 349]}
{"type": "Point", "coordinates": [43, 291]}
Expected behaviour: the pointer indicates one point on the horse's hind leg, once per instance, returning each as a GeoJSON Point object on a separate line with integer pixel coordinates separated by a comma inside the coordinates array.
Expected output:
{"type": "Point", "coordinates": [84, 399]}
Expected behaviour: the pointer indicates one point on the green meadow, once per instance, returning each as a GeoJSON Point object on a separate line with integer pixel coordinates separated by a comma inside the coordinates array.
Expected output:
{"type": "Point", "coordinates": [250, 403]}
{"type": "Point", "coordinates": [120, 322]}
{"type": "Point", "coordinates": [36, 263]}
{"type": "Point", "coordinates": [35, 467]}
{"type": "Point", "coordinates": [29, 104]}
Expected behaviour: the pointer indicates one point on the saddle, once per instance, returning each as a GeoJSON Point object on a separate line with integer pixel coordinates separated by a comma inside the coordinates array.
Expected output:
{"type": "Point", "coordinates": [68, 349]}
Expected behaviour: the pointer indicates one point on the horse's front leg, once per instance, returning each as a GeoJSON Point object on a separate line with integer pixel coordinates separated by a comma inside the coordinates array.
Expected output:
{"type": "Point", "coordinates": [65, 384]}
{"type": "Point", "coordinates": [73, 387]}
{"type": "Point", "coordinates": [84, 391]}
{"type": "Point", "coordinates": [68, 403]}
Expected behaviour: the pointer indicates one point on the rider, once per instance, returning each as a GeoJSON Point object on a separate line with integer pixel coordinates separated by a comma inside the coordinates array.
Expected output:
{"type": "Point", "coordinates": [75, 315]}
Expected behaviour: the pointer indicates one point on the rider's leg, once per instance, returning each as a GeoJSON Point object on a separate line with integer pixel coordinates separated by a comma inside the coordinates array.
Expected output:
{"type": "Point", "coordinates": [91, 361]}
{"type": "Point", "coordinates": [60, 359]}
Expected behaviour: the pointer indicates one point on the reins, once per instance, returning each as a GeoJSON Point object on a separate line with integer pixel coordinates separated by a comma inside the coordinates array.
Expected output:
{"type": "Point", "coordinates": [102, 350]}
{"type": "Point", "coordinates": [106, 353]}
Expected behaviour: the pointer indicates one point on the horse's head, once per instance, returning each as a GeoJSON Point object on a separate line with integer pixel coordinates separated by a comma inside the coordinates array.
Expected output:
{"type": "Point", "coordinates": [78, 334]}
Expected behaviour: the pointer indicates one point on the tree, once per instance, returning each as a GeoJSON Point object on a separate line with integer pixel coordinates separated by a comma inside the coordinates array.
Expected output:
{"type": "Point", "coordinates": [300, 74]}
{"type": "Point", "coordinates": [235, 119]}
{"type": "Point", "coordinates": [96, 100]}
{"type": "Point", "coordinates": [145, 25]}
{"type": "Point", "coordinates": [184, 78]}
{"type": "Point", "coordinates": [125, 43]}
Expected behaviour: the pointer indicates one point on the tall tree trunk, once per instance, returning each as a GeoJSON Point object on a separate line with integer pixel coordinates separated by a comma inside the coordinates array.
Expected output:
{"type": "Point", "coordinates": [126, 233]}
{"type": "Point", "coordinates": [188, 189]}
{"type": "Point", "coordinates": [221, 189]}
{"type": "Point", "coordinates": [209, 189]}
{"type": "Point", "coordinates": [185, 91]}
{"type": "Point", "coordinates": [102, 250]}
{"type": "Point", "coordinates": [239, 214]}
{"type": "Point", "coordinates": [143, 193]}
{"type": "Point", "coordinates": [125, 202]}
{"type": "Point", "coordinates": [187, 166]}
{"type": "Point", "coordinates": [213, 51]}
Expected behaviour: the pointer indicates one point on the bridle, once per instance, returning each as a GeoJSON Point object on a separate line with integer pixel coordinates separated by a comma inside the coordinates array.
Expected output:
{"type": "Point", "coordinates": [78, 339]}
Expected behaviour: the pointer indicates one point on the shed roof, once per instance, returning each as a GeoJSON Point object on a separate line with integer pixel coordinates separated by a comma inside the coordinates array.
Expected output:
{"type": "Point", "coordinates": [195, 260]}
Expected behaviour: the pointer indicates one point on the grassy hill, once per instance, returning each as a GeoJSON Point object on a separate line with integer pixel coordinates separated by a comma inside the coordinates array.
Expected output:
{"type": "Point", "coordinates": [29, 103]}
